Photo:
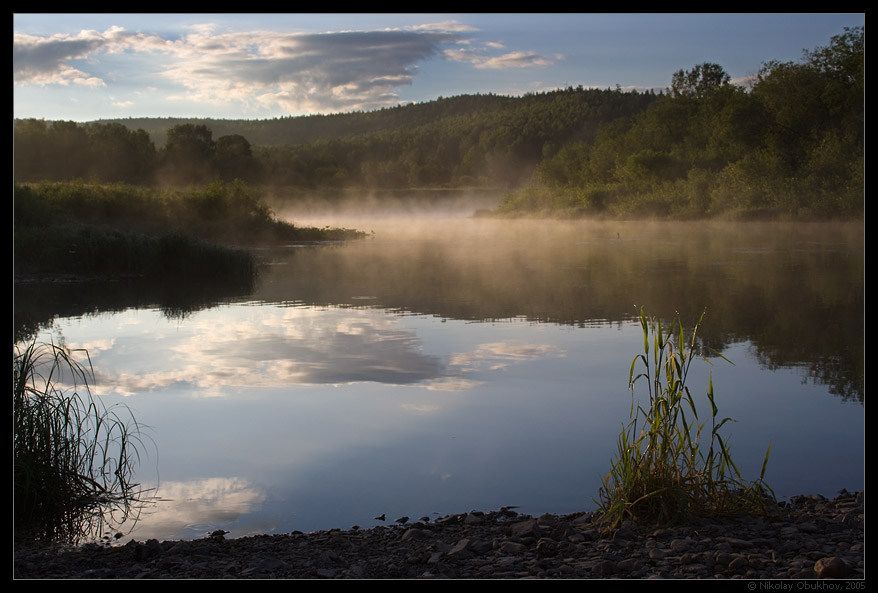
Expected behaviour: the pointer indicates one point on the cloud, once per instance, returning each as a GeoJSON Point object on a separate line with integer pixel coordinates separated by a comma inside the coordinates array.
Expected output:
{"type": "Point", "coordinates": [338, 71]}
{"type": "Point", "coordinates": [304, 72]}
{"type": "Point", "coordinates": [296, 72]}
{"type": "Point", "coordinates": [518, 59]}
{"type": "Point", "coordinates": [46, 60]}
{"type": "Point", "coordinates": [445, 26]}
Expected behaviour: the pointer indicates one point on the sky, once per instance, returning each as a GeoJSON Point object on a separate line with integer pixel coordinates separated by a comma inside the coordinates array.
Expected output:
{"type": "Point", "coordinates": [84, 67]}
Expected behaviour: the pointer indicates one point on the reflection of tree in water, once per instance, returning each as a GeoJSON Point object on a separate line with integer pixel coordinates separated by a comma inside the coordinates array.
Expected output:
{"type": "Point", "coordinates": [844, 375]}
{"type": "Point", "coordinates": [762, 283]}
{"type": "Point", "coordinates": [38, 304]}
{"type": "Point", "coordinates": [794, 291]}
{"type": "Point", "coordinates": [823, 358]}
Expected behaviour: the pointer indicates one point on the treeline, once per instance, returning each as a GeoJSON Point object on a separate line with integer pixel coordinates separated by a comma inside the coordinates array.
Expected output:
{"type": "Point", "coordinates": [111, 153]}
{"type": "Point", "coordinates": [477, 140]}
{"type": "Point", "coordinates": [793, 145]}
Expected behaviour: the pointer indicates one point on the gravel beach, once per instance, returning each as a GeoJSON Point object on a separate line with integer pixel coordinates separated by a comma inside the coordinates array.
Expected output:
{"type": "Point", "coordinates": [811, 537]}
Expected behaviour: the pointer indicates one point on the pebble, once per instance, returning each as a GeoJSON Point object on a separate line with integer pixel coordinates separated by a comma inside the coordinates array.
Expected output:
{"type": "Point", "coordinates": [810, 537]}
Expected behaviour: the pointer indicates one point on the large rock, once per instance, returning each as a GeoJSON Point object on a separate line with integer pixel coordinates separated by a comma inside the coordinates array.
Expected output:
{"type": "Point", "coordinates": [831, 568]}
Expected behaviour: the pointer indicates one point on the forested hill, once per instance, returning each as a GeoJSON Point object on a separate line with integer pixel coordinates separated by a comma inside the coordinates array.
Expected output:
{"type": "Point", "coordinates": [790, 143]}
{"type": "Point", "coordinates": [466, 141]}
{"type": "Point", "coordinates": [569, 109]}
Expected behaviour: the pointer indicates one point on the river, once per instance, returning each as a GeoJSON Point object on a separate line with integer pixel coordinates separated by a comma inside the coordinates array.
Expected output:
{"type": "Point", "coordinates": [449, 363]}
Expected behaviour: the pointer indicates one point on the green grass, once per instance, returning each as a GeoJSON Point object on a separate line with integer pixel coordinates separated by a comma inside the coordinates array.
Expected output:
{"type": "Point", "coordinates": [230, 213]}
{"type": "Point", "coordinates": [73, 458]}
{"type": "Point", "coordinates": [671, 465]}
{"type": "Point", "coordinates": [199, 235]}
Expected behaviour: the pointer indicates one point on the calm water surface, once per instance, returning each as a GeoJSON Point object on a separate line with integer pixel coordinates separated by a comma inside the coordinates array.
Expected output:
{"type": "Point", "coordinates": [450, 364]}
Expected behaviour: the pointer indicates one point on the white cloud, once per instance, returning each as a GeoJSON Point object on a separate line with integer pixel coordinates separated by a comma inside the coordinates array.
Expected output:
{"type": "Point", "coordinates": [446, 26]}
{"type": "Point", "coordinates": [46, 60]}
{"type": "Point", "coordinates": [518, 59]}
{"type": "Point", "coordinates": [298, 72]}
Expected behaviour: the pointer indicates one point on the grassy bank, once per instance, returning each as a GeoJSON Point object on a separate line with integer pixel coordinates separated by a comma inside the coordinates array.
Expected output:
{"type": "Point", "coordinates": [89, 229]}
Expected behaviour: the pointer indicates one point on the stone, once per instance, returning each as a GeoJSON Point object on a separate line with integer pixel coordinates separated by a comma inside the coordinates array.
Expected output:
{"type": "Point", "coordinates": [512, 548]}
{"type": "Point", "coordinates": [497, 547]}
{"type": "Point", "coordinates": [831, 568]}
{"type": "Point", "coordinates": [528, 528]}
{"type": "Point", "coordinates": [460, 549]}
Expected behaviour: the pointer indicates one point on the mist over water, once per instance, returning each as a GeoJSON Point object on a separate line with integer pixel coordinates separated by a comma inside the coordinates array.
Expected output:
{"type": "Point", "coordinates": [449, 363]}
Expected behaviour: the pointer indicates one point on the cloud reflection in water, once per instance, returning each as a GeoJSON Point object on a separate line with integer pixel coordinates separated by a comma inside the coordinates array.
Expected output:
{"type": "Point", "coordinates": [230, 348]}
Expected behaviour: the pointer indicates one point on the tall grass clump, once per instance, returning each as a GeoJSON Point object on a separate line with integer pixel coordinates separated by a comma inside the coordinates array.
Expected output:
{"type": "Point", "coordinates": [671, 465]}
{"type": "Point", "coordinates": [73, 458]}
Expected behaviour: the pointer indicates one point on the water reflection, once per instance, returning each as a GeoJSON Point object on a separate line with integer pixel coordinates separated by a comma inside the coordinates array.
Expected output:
{"type": "Point", "coordinates": [193, 509]}
{"type": "Point", "coordinates": [770, 284]}
{"type": "Point", "coordinates": [225, 349]}
{"type": "Point", "coordinates": [475, 365]}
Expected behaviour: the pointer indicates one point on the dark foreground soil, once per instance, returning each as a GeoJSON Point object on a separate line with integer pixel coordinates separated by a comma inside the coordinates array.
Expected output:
{"type": "Point", "coordinates": [810, 537]}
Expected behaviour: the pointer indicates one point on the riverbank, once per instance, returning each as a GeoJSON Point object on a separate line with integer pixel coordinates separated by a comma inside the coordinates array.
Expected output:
{"type": "Point", "coordinates": [810, 537]}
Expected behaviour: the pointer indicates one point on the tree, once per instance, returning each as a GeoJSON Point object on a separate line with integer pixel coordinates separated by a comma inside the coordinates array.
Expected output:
{"type": "Point", "coordinates": [234, 158]}
{"type": "Point", "coordinates": [700, 80]}
{"type": "Point", "coordinates": [30, 149]}
{"type": "Point", "coordinates": [190, 141]}
{"type": "Point", "coordinates": [845, 57]}
{"type": "Point", "coordinates": [188, 154]}
{"type": "Point", "coordinates": [67, 150]}
{"type": "Point", "coordinates": [118, 154]}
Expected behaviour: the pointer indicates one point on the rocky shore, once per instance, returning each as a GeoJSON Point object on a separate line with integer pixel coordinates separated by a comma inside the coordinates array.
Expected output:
{"type": "Point", "coordinates": [810, 537]}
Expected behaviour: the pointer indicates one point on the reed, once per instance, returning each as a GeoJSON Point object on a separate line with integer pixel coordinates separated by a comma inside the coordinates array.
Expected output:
{"type": "Point", "coordinates": [670, 465]}
{"type": "Point", "coordinates": [73, 458]}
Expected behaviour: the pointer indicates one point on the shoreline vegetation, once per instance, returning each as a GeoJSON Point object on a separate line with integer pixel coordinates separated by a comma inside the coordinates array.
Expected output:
{"type": "Point", "coordinates": [79, 230]}
{"type": "Point", "coordinates": [668, 468]}
{"type": "Point", "coordinates": [74, 459]}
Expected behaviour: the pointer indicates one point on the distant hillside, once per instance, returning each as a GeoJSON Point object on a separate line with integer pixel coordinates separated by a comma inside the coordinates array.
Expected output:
{"type": "Point", "coordinates": [792, 145]}
{"type": "Point", "coordinates": [470, 140]}
{"type": "Point", "coordinates": [295, 130]}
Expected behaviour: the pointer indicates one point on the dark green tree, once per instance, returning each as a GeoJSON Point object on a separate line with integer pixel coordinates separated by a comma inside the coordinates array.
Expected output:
{"type": "Point", "coordinates": [30, 150]}
{"type": "Point", "coordinates": [234, 158]}
{"type": "Point", "coordinates": [119, 154]}
{"type": "Point", "coordinates": [68, 152]}
{"type": "Point", "coordinates": [698, 81]}
{"type": "Point", "coordinates": [188, 154]}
